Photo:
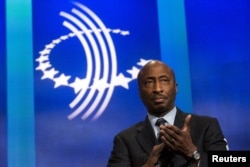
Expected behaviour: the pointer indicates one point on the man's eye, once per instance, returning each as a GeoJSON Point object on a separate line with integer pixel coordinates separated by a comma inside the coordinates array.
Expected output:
{"type": "Point", "coordinates": [148, 83]}
{"type": "Point", "coordinates": [165, 80]}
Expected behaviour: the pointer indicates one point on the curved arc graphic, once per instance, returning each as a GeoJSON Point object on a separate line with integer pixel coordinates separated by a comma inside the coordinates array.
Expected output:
{"type": "Point", "coordinates": [97, 75]}
{"type": "Point", "coordinates": [101, 62]}
{"type": "Point", "coordinates": [105, 57]}
{"type": "Point", "coordinates": [113, 59]}
{"type": "Point", "coordinates": [89, 60]}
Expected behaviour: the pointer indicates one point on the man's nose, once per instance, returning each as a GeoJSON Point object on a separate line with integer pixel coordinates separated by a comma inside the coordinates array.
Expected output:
{"type": "Point", "coordinates": [158, 87]}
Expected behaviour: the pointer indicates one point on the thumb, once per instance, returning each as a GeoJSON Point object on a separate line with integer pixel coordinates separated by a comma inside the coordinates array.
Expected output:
{"type": "Point", "coordinates": [186, 126]}
{"type": "Point", "coordinates": [157, 149]}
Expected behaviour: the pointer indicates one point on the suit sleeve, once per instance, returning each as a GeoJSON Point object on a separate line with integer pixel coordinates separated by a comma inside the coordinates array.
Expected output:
{"type": "Point", "coordinates": [119, 155]}
{"type": "Point", "coordinates": [214, 140]}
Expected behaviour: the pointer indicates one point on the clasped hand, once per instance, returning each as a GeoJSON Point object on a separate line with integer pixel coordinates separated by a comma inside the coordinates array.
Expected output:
{"type": "Point", "coordinates": [176, 139]}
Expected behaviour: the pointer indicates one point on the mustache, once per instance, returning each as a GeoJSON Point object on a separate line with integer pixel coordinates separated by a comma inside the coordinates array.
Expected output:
{"type": "Point", "coordinates": [159, 96]}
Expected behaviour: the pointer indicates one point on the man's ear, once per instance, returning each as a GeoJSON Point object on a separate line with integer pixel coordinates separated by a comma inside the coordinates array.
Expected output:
{"type": "Point", "coordinates": [176, 87]}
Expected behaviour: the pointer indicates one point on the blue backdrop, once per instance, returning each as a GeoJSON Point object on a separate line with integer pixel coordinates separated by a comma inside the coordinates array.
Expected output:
{"type": "Point", "coordinates": [84, 60]}
{"type": "Point", "coordinates": [84, 139]}
{"type": "Point", "coordinates": [218, 39]}
{"type": "Point", "coordinates": [3, 120]}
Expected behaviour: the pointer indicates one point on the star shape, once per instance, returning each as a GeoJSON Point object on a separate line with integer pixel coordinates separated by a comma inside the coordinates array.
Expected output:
{"type": "Point", "coordinates": [45, 52]}
{"type": "Point", "coordinates": [100, 84]}
{"type": "Point", "coordinates": [64, 37]}
{"type": "Point", "coordinates": [56, 41]}
{"type": "Point", "coordinates": [43, 66]}
{"type": "Point", "coordinates": [42, 58]}
{"type": "Point", "coordinates": [116, 31]}
{"type": "Point", "coordinates": [61, 80]}
{"type": "Point", "coordinates": [125, 33]}
{"type": "Point", "coordinates": [143, 62]}
{"type": "Point", "coordinates": [49, 74]}
{"type": "Point", "coordinates": [121, 80]}
{"type": "Point", "coordinates": [72, 34]}
{"type": "Point", "coordinates": [79, 84]}
{"type": "Point", "coordinates": [134, 72]}
{"type": "Point", "coordinates": [108, 30]}
{"type": "Point", "coordinates": [50, 46]}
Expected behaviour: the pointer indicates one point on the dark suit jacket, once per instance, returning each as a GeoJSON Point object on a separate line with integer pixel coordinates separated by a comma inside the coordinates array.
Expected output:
{"type": "Point", "coordinates": [132, 146]}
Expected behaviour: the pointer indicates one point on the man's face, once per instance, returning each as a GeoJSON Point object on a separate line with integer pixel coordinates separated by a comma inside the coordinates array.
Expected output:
{"type": "Point", "coordinates": [157, 88]}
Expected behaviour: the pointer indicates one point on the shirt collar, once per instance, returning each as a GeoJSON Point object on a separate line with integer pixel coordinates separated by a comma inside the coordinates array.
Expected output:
{"type": "Point", "coordinates": [169, 117]}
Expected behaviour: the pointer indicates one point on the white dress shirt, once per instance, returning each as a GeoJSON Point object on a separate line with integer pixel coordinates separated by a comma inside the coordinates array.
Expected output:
{"type": "Point", "coordinates": [169, 117]}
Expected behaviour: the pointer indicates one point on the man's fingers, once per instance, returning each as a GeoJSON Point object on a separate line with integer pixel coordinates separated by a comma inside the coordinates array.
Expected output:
{"type": "Point", "coordinates": [158, 148]}
{"type": "Point", "coordinates": [186, 126]}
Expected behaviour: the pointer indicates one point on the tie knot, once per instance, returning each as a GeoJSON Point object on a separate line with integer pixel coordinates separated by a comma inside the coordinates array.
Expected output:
{"type": "Point", "coordinates": [160, 121]}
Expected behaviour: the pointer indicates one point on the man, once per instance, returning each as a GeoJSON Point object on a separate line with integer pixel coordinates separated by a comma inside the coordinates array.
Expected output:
{"type": "Point", "coordinates": [185, 139]}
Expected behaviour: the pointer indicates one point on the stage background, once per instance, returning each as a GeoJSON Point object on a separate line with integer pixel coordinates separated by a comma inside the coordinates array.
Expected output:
{"type": "Point", "coordinates": [3, 120]}
{"type": "Point", "coordinates": [206, 42]}
{"type": "Point", "coordinates": [218, 40]}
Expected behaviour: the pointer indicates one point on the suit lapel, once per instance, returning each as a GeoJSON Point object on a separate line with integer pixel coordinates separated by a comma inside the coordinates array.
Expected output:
{"type": "Point", "coordinates": [179, 118]}
{"type": "Point", "coordinates": [145, 136]}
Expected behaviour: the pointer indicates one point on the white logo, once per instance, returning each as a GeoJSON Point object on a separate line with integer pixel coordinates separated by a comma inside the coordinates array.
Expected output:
{"type": "Point", "coordinates": [101, 72]}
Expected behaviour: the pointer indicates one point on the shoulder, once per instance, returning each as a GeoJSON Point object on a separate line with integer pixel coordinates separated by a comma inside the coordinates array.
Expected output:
{"type": "Point", "coordinates": [132, 130]}
{"type": "Point", "coordinates": [196, 117]}
{"type": "Point", "coordinates": [128, 135]}
{"type": "Point", "coordinates": [202, 118]}
{"type": "Point", "coordinates": [198, 121]}
{"type": "Point", "coordinates": [205, 124]}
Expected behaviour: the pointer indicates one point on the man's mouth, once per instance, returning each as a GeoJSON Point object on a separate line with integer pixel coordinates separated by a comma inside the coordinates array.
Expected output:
{"type": "Point", "coordinates": [159, 99]}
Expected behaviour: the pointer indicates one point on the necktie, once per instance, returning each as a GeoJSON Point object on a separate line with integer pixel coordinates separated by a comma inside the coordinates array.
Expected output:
{"type": "Point", "coordinates": [159, 122]}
